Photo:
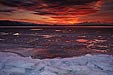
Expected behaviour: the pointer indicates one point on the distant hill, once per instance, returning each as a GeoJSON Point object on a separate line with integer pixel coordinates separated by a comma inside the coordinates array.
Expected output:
{"type": "Point", "coordinates": [94, 24]}
{"type": "Point", "coordinates": [13, 23]}
{"type": "Point", "coordinates": [16, 23]}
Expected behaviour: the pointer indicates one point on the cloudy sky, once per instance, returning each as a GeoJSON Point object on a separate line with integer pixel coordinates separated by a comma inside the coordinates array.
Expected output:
{"type": "Point", "coordinates": [57, 11]}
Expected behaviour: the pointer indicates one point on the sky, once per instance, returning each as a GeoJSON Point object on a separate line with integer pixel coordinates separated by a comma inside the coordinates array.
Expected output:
{"type": "Point", "coordinates": [57, 11]}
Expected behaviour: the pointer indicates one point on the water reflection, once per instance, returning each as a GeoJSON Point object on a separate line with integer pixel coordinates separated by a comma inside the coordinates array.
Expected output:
{"type": "Point", "coordinates": [82, 36]}
{"type": "Point", "coordinates": [82, 40]}
{"type": "Point", "coordinates": [36, 29]}
{"type": "Point", "coordinates": [47, 36]}
{"type": "Point", "coordinates": [58, 30]}
{"type": "Point", "coordinates": [50, 43]}
{"type": "Point", "coordinates": [4, 33]}
{"type": "Point", "coordinates": [2, 39]}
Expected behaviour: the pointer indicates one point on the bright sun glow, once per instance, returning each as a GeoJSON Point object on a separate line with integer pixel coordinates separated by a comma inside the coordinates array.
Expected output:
{"type": "Point", "coordinates": [72, 21]}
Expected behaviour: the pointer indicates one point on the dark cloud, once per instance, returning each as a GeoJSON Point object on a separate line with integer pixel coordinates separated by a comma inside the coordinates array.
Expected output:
{"type": "Point", "coordinates": [44, 3]}
{"type": "Point", "coordinates": [18, 3]}
{"type": "Point", "coordinates": [68, 2]}
{"type": "Point", "coordinates": [44, 13]}
{"type": "Point", "coordinates": [11, 2]}
{"type": "Point", "coordinates": [7, 9]}
{"type": "Point", "coordinates": [108, 5]}
{"type": "Point", "coordinates": [65, 7]}
{"type": "Point", "coordinates": [48, 2]}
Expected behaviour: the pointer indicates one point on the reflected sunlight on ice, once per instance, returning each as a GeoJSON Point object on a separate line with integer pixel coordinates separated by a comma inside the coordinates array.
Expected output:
{"type": "Point", "coordinates": [82, 36]}
{"type": "Point", "coordinates": [82, 40]}
{"type": "Point", "coordinates": [4, 33]}
{"type": "Point", "coordinates": [36, 29]}
{"type": "Point", "coordinates": [47, 36]}
{"type": "Point", "coordinates": [58, 30]}
{"type": "Point", "coordinates": [16, 34]}
{"type": "Point", "coordinates": [2, 39]}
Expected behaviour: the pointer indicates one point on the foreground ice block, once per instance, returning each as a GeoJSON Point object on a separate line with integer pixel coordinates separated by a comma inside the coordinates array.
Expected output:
{"type": "Point", "coordinates": [12, 64]}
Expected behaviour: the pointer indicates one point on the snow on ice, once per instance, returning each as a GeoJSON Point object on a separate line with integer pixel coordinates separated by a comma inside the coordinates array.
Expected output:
{"type": "Point", "coordinates": [12, 64]}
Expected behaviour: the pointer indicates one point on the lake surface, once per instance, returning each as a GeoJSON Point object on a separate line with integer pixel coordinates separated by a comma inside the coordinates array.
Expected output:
{"type": "Point", "coordinates": [56, 42]}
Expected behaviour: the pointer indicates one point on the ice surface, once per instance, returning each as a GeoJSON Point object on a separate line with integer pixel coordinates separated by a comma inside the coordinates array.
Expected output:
{"type": "Point", "coordinates": [12, 64]}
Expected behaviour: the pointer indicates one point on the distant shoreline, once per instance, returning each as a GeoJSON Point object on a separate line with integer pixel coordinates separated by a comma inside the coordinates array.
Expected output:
{"type": "Point", "coordinates": [56, 27]}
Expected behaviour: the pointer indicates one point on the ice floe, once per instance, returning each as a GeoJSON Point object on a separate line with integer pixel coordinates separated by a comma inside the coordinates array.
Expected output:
{"type": "Point", "coordinates": [16, 34]}
{"type": "Point", "coordinates": [13, 64]}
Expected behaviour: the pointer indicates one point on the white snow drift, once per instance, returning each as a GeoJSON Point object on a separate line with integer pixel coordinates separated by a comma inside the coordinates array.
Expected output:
{"type": "Point", "coordinates": [12, 64]}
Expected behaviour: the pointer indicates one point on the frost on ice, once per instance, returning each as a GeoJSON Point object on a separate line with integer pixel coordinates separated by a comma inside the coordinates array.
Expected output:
{"type": "Point", "coordinates": [12, 64]}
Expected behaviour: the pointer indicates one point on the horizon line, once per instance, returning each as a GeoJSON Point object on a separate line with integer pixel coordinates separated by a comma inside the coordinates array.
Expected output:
{"type": "Point", "coordinates": [56, 27]}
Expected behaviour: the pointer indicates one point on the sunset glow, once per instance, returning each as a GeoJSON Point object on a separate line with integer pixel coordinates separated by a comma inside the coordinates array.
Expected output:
{"type": "Point", "coordinates": [57, 11]}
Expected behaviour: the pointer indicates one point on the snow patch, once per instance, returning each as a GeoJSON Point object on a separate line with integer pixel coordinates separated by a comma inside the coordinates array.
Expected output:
{"type": "Point", "coordinates": [12, 64]}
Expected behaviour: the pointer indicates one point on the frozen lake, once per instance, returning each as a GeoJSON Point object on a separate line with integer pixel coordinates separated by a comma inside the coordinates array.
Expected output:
{"type": "Point", "coordinates": [56, 42]}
